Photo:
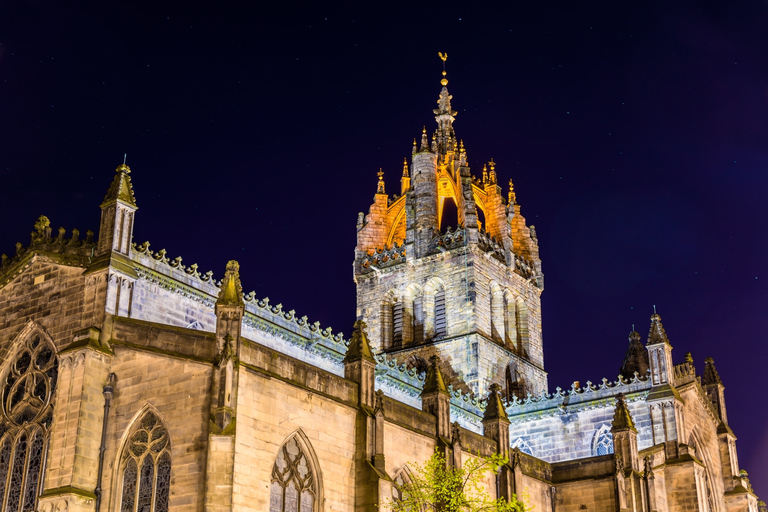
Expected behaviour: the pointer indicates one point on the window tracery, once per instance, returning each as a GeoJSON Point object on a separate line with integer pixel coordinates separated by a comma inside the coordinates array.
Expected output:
{"type": "Point", "coordinates": [400, 485]}
{"type": "Point", "coordinates": [293, 486]}
{"type": "Point", "coordinates": [26, 413]}
{"type": "Point", "coordinates": [146, 473]}
{"type": "Point", "coordinates": [522, 445]}
{"type": "Point", "coordinates": [603, 442]}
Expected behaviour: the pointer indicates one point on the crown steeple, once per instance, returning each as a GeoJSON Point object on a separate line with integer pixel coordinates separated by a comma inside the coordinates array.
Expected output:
{"type": "Point", "coordinates": [444, 115]}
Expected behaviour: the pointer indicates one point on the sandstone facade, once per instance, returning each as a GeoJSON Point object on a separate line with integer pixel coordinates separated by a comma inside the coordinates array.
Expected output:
{"type": "Point", "coordinates": [132, 382]}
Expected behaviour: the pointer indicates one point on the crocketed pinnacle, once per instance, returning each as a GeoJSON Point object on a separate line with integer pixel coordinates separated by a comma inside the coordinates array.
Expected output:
{"type": "Point", "coordinates": [380, 186]}
{"type": "Point", "coordinates": [121, 188]}
{"type": "Point", "coordinates": [622, 419]}
{"type": "Point", "coordinates": [636, 358]}
{"type": "Point", "coordinates": [494, 408]}
{"type": "Point", "coordinates": [231, 293]}
{"type": "Point", "coordinates": [405, 167]}
{"type": "Point", "coordinates": [434, 380]}
{"type": "Point", "coordinates": [359, 348]}
{"type": "Point", "coordinates": [657, 334]}
{"type": "Point", "coordinates": [710, 373]}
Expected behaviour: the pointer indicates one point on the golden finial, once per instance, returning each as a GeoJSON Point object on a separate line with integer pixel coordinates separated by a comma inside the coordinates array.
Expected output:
{"type": "Point", "coordinates": [512, 199]}
{"type": "Point", "coordinates": [405, 167]}
{"type": "Point", "coordinates": [380, 188]}
{"type": "Point", "coordinates": [492, 165]}
{"type": "Point", "coordinates": [443, 57]}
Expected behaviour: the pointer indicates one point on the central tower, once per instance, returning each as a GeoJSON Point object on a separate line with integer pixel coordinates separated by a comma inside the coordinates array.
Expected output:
{"type": "Point", "coordinates": [450, 268]}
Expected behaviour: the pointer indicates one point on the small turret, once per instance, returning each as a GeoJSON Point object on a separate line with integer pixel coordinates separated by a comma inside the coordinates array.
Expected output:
{"type": "Point", "coordinates": [117, 212]}
{"type": "Point", "coordinates": [495, 420]}
{"type": "Point", "coordinates": [659, 354]}
{"type": "Point", "coordinates": [380, 186]}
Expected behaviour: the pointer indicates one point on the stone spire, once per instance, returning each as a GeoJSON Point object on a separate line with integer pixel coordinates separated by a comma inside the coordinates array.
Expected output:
{"type": "Point", "coordinates": [405, 180]}
{"type": "Point", "coordinates": [231, 293]}
{"type": "Point", "coordinates": [636, 358]}
{"type": "Point", "coordinates": [622, 419]}
{"type": "Point", "coordinates": [710, 373]}
{"type": "Point", "coordinates": [121, 188]}
{"type": "Point", "coordinates": [360, 366]}
{"type": "Point", "coordinates": [434, 379]}
{"type": "Point", "coordinates": [657, 334]}
{"type": "Point", "coordinates": [444, 115]}
{"type": "Point", "coordinates": [436, 400]}
{"type": "Point", "coordinates": [359, 348]}
{"type": "Point", "coordinates": [624, 435]}
{"type": "Point", "coordinates": [494, 408]}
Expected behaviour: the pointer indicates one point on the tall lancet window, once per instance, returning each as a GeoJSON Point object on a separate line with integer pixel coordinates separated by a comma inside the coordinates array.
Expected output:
{"type": "Point", "coordinates": [293, 487]}
{"type": "Point", "coordinates": [146, 467]}
{"type": "Point", "coordinates": [29, 382]}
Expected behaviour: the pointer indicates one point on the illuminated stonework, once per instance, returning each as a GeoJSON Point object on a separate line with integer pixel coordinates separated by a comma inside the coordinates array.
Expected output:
{"type": "Point", "coordinates": [476, 274]}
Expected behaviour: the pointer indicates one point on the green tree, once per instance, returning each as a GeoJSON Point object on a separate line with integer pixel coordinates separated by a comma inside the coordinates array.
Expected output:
{"type": "Point", "coordinates": [435, 487]}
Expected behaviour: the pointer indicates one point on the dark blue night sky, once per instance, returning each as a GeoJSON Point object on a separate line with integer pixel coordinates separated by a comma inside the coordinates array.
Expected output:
{"type": "Point", "coordinates": [636, 135]}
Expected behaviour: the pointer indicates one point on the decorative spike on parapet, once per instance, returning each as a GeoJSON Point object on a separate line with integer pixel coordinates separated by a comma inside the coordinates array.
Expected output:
{"type": "Point", "coordinates": [492, 174]}
{"type": "Point", "coordinates": [622, 419]}
{"type": "Point", "coordinates": [359, 347]}
{"type": "Point", "coordinates": [494, 408]}
{"type": "Point", "coordinates": [512, 198]}
{"type": "Point", "coordinates": [424, 140]}
{"type": "Point", "coordinates": [405, 181]}
{"type": "Point", "coordinates": [657, 334]}
{"type": "Point", "coordinates": [434, 379]}
{"type": "Point", "coordinates": [380, 186]}
{"type": "Point", "coordinates": [231, 293]}
{"type": "Point", "coordinates": [485, 174]}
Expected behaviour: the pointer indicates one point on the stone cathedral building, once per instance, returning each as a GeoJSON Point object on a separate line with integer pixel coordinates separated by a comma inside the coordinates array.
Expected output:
{"type": "Point", "coordinates": [131, 382]}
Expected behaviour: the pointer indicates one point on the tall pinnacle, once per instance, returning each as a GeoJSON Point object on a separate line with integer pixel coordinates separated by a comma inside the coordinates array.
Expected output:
{"type": "Point", "coordinates": [444, 114]}
{"type": "Point", "coordinates": [121, 188]}
{"type": "Point", "coordinates": [231, 293]}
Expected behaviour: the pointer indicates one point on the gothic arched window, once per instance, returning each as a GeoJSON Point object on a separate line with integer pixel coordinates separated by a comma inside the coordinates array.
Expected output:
{"type": "Point", "coordinates": [28, 387]}
{"type": "Point", "coordinates": [293, 487]}
{"type": "Point", "coordinates": [522, 445]}
{"type": "Point", "coordinates": [603, 441]}
{"type": "Point", "coordinates": [146, 467]}
{"type": "Point", "coordinates": [400, 485]}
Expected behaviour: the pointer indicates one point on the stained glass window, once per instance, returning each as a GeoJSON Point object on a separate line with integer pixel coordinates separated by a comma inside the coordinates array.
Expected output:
{"type": "Point", "coordinates": [603, 443]}
{"type": "Point", "coordinates": [293, 484]}
{"type": "Point", "coordinates": [26, 400]}
{"type": "Point", "coordinates": [147, 468]}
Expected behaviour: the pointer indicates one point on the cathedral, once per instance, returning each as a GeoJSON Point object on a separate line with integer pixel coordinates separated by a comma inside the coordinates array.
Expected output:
{"type": "Point", "coordinates": [134, 383]}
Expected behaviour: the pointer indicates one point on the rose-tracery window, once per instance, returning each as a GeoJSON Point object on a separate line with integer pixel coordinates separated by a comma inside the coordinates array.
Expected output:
{"type": "Point", "coordinates": [293, 482]}
{"type": "Point", "coordinates": [26, 413]}
{"type": "Point", "coordinates": [146, 473]}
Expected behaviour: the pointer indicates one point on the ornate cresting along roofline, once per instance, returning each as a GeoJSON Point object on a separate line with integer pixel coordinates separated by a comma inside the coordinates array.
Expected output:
{"type": "Point", "coordinates": [68, 251]}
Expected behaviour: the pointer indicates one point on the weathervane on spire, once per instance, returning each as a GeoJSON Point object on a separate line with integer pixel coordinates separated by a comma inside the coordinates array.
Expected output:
{"type": "Point", "coordinates": [443, 57]}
